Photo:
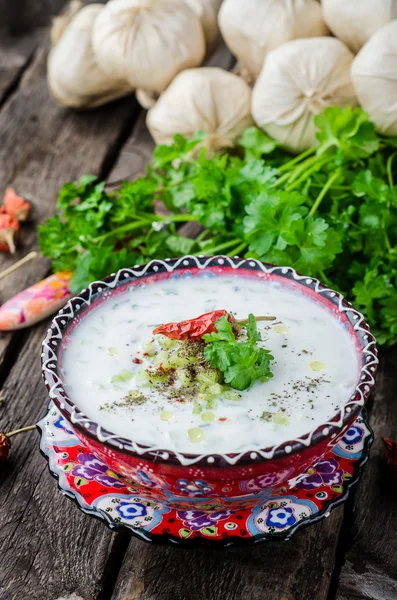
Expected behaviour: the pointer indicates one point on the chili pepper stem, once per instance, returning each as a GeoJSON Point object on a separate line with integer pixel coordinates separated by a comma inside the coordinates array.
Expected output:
{"type": "Point", "coordinates": [264, 318]}
{"type": "Point", "coordinates": [29, 428]}
{"type": "Point", "coordinates": [18, 264]}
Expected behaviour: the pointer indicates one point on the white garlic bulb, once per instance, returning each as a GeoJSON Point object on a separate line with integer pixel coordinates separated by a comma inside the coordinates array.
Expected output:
{"type": "Point", "coordinates": [354, 22]}
{"type": "Point", "coordinates": [299, 80]}
{"type": "Point", "coordinates": [374, 75]}
{"type": "Point", "coordinates": [74, 78]}
{"type": "Point", "coordinates": [252, 28]}
{"type": "Point", "coordinates": [208, 99]}
{"type": "Point", "coordinates": [147, 41]}
{"type": "Point", "coordinates": [207, 10]}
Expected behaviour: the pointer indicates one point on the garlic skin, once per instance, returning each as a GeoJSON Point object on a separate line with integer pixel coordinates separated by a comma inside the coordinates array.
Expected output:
{"type": "Point", "coordinates": [207, 11]}
{"type": "Point", "coordinates": [208, 99]}
{"type": "Point", "coordinates": [73, 76]}
{"type": "Point", "coordinates": [354, 22]}
{"type": "Point", "coordinates": [252, 28]}
{"type": "Point", "coordinates": [299, 80]}
{"type": "Point", "coordinates": [147, 42]}
{"type": "Point", "coordinates": [374, 75]}
{"type": "Point", "coordinates": [60, 23]}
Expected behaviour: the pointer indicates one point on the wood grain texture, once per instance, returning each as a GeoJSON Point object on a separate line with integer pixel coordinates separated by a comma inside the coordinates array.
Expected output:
{"type": "Point", "coordinates": [280, 570]}
{"type": "Point", "coordinates": [15, 55]}
{"type": "Point", "coordinates": [21, 16]}
{"type": "Point", "coordinates": [47, 547]}
{"type": "Point", "coordinates": [370, 568]}
{"type": "Point", "coordinates": [43, 145]}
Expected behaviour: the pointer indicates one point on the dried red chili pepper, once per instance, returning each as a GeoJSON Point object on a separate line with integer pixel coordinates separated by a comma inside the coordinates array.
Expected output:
{"type": "Point", "coordinates": [15, 206]}
{"type": "Point", "coordinates": [194, 329]}
{"type": "Point", "coordinates": [5, 443]}
{"type": "Point", "coordinates": [9, 229]}
{"type": "Point", "coordinates": [4, 447]}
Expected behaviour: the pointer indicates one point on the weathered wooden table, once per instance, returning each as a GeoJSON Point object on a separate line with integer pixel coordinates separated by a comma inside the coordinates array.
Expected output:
{"type": "Point", "coordinates": [50, 550]}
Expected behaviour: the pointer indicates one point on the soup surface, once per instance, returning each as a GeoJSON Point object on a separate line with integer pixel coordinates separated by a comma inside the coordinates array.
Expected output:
{"type": "Point", "coordinates": [315, 366]}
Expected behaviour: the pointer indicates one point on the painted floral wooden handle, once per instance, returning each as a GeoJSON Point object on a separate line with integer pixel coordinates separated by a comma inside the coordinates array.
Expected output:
{"type": "Point", "coordinates": [36, 302]}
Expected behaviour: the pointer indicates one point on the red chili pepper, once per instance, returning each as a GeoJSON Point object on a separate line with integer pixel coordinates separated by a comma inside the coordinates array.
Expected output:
{"type": "Point", "coordinates": [15, 206]}
{"type": "Point", "coordinates": [9, 229]}
{"type": "Point", "coordinates": [193, 329]}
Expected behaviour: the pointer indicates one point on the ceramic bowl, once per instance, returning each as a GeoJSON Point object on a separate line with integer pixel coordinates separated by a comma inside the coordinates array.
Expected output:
{"type": "Point", "coordinates": [212, 480]}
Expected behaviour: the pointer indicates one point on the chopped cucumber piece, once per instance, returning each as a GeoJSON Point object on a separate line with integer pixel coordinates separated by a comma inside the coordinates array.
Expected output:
{"type": "Point", "coordinates": [161, 358]}
{"type": "Point", "coordinates": [215, 390]}
{"type": "Point", "coordinates": [280, 418]}
{"type": "Point", "coordinates": [142, 377]}
{"type": "Point", "coordinates": [208, 376]}
{"type": "Point", "coordinates": [175, 361]}
{"type": "Point", "coordinates": [197, 408]}
{"type": "Point", "coordinates": [124, 375]}
{"type": "Point", "coordinates": [150, 348]}
{"type": "Point", "coordinates": [231, 395]}
{"type": "Point", "coordinates": [184, 377]}
{"type": "Point", "coordinates": [166, 342]}
{"type": "Point", "coordinates": [113, 351]}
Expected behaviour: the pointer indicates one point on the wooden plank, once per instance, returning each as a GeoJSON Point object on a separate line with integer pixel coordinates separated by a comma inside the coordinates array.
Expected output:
{"type": "Point", "coordinates": [279, 570]}
{"type": "Point", "coordinates": [41, 147]}
{"type": "Point", "coordinates": [370, 567]}
{"type": "Point", "coordinates": [19, 16]}
{"type": "Point", "coordinates": [47, 547]}
{"type": "Point", "coordinates": [15, 54]}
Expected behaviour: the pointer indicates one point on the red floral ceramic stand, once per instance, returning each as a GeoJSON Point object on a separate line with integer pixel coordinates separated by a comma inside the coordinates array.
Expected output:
{"type": "Point", "coordinates": [278, 513]}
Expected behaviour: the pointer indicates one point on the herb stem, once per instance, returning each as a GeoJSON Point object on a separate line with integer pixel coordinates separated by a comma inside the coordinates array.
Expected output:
{"type": "Point", "coordinates": [174, 218]}
{"type": "Point", "coordinates": [324, 278]}
{"type": "Point", "coordinates": [286, 166]}
{"type": "Point", "coordinates": [321, 195]}
{"type": "Point", "coordinates": [387, 241]}
{"type": "Point", "coordinates": [145, 221]}
{"type": "Point", "coordinates": [220, 247]}
{"type": "Point", "coordinates": [389, 169]}
{"type": "Point", "coordinates": [123, 229]}
{"type": "Point", "coordinates": [264, 318]}
{"type": "Point", "coordinates": [305, 172]}
{"type": "Point", "coordinates": [302, 167]}
{"type": "Point", "coordinates": [201, 236]}
{"type": "Point", "coordinates": [237, 250]}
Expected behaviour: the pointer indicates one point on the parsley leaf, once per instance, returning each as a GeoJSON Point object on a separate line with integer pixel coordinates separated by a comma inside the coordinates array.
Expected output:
{"type": "Point", "coordinates": [242, 363]}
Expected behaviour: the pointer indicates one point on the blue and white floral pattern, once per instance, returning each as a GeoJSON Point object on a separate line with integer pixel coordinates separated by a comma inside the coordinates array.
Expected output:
{"type": "Point", "coordinates": [280, 518]}
{"type": "Point", "coordinates": [354, 435]}
{"type": "Point", "coordinates": [129, 510]}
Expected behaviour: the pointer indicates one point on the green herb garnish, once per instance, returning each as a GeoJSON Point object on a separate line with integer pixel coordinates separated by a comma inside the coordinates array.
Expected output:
{"type": "Point", "coordinates": [330, 212]}
{"type": "Point", "coordinates": [241, 362]}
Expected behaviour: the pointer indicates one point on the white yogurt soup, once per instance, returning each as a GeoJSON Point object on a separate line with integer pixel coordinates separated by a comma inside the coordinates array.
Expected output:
{"type": "Point", "coordinates": [315, 367]}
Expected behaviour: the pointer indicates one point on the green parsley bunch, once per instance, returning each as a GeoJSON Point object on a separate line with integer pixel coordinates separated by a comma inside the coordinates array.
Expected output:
{"type": "Point", "coordinates": [330, 212]}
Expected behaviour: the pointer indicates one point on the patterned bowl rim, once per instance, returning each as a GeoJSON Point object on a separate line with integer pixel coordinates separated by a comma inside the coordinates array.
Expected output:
{"type": "Point", "coordinates": [88, 428]}
{"type": "Point", "coordinates": [232, 541]}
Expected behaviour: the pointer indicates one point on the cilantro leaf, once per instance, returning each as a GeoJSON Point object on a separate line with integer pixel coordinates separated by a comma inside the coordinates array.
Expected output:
{"type": "Point", "coordinates": [224, 332]}
{"type": "Point", "coordinates": [255, 143]}
{"type": "Point", "coordinates": [346, 132]}
{"type": "Point", "coordinates": [242, 363]}
{"type": "Point", "coordinates": [252, 330]}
